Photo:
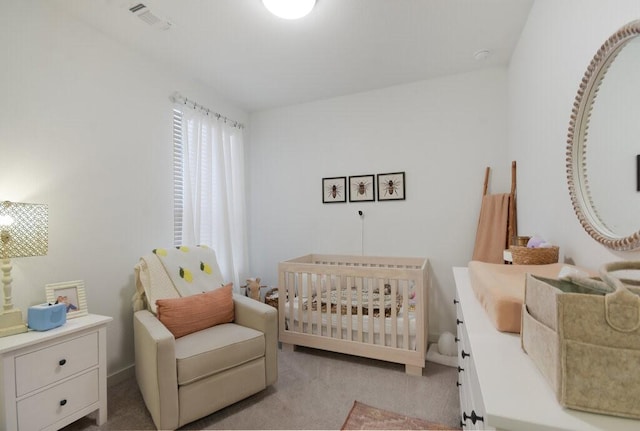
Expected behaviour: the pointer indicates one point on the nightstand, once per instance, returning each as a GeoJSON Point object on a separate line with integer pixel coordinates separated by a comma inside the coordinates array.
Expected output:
{"type": "Point", "coordinates": [52, 378]}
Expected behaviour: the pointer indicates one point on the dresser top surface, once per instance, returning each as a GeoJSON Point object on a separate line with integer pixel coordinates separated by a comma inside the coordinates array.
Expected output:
{"type": "Point", "coordinates": [78, 324]}
{"type": "Point", "coordinates": [515, 394]}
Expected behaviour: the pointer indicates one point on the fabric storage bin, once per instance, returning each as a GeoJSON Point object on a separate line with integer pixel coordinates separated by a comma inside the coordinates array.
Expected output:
{"type": "Point", "coordinates": [584, 337]}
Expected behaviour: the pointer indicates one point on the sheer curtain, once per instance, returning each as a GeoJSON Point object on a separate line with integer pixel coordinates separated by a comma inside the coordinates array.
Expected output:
{"type": "Point", "coordinates": [213, 210]}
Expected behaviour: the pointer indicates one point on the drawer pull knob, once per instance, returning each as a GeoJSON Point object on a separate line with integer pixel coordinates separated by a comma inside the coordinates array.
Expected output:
{"type": "Point", "coordinates": [458, 384]}
{"type": "Point", "coordinates": [458, 321]}
{"type": "Point", "coordinates": [460, 369]}
{"type": "Point", "coordinates": [61, 362]}
{"type": "Point", "coordinates": [474, 417]}
{"type": "Point", "coordinates": [455, 301]}
{"type": "Point", "coordinates": [465, 354]}
{"type": "Point", "coordinates": [462, 424]}
{"type": "Point", "coordinates": [64, 402]}
{"type": "Point", "coordinates": [456, 339]}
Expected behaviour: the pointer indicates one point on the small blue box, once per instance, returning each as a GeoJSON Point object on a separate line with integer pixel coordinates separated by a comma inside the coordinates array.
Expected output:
{"type": "Point", "coordinates": [43, 317]}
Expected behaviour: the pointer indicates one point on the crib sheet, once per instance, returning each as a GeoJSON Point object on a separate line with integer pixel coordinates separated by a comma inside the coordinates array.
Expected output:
{"type": "Point", "coordinates": [364, 326]}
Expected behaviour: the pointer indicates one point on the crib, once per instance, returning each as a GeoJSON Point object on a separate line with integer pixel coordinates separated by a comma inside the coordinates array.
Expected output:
{"type": "Point", "coordinates": [375, 307]}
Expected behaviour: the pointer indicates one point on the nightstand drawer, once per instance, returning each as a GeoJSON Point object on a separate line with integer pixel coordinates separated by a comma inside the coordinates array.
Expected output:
{"type": "Point", "coordinates": [53, 363]}
{"type": "Point", "coordinates": [56, 403]}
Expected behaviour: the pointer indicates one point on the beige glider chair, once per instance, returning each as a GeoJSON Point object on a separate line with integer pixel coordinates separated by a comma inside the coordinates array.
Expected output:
{"type": "Point", "coordinates": [185, 377]}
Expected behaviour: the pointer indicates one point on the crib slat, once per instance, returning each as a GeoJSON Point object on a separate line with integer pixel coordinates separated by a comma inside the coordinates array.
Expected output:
{"type": "Point", "coordinates": [359, 323]}
{"type": "Point", "coordinates": [291, 297]}
{"type": "Point", "coordinates": [347, 286]}
{"type": "Point", "coordinates": [338, 309]}
{"type": "Point", "coordinates": [382, 317]}
{"type": "Point", "coordinates": [300, 301]}
{"type": "Point", "coordinates": [394, 313]}
{"type": "Point", "coordinates": [405, 307]}
{"type": "Point", "coordinates": [320, 286]}
{"type": "Point", "coordinates": [370, 335]}
{"type": "Point", "coordinates": [309, 303]}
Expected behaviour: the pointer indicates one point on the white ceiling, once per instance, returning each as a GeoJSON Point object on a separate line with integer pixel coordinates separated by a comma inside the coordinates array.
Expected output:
{"type": "Point", "coordinates": [258, 61]}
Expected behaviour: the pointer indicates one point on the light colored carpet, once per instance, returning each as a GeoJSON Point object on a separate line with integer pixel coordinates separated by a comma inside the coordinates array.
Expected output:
{"type": "Point", "coordinates": [315, 390]}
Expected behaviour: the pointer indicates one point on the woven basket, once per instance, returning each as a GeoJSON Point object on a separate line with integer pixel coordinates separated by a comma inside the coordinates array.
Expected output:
{"type": "Point", "coordinates": [534, 256]}
{"type": "Point", "coordinates": [271, 297]}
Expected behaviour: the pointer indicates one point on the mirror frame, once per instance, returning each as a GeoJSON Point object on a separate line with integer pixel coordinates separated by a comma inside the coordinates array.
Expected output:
{"type": "Point", "coordinates": [577, 143]}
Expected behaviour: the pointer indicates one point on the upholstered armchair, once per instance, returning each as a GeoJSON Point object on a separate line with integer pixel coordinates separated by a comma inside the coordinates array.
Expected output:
{"type": "Point", "coordinates": [198, 346]}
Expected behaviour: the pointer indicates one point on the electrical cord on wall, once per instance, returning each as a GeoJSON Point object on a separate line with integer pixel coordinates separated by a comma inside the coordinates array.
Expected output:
{"type": "Point", "coordinates": [361, 214]}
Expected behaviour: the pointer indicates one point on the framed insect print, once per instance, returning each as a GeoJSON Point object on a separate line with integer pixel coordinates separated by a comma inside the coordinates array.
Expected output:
{"type": "Point", "coordinates": [362, 188]}
{"type": "Point", "coordinates": [391, 187]}
{"type": "Point", "coordinates": [70, 293]}
{"type": "Point", "coordinates": [334, 190]}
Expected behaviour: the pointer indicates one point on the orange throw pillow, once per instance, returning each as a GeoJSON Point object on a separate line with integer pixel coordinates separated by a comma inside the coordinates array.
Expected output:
{"type": "Point", "coordinates": [183, 316]}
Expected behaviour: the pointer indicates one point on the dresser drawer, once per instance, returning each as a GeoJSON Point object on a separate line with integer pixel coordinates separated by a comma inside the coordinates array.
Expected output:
{"type": "Point", "coordinates": [471, 404]}
{"type": "Point", "coordinates": [55, 362]}
{"type": "Point", "coordinates": [56, 403]}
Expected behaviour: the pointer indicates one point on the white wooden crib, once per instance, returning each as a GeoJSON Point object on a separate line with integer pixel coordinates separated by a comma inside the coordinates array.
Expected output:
{"type": "Point", "coordinates": [374, 307]}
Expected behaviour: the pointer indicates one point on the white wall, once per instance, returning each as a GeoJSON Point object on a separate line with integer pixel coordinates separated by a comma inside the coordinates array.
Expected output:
{"type": "Point", "coordinates": [441, 132]}
{"type": "Point", "coordinates": [85, 127]}
{"type": "Point", "coordinates": [557, 44]}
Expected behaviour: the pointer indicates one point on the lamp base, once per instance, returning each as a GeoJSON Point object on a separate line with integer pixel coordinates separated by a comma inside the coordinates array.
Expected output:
{"type": "Point", "coordinates": [11, 323]}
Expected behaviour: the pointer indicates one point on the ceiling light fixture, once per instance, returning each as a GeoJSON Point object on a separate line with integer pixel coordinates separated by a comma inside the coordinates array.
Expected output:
{"type": "Point", "coordinates": [289, 9]}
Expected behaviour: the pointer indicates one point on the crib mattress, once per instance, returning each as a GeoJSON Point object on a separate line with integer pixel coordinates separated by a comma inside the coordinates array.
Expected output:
{"type": "Point", "coordinates": [500, 289]}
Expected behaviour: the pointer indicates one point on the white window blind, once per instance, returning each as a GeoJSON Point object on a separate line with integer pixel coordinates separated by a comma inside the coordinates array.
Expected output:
{"type": "Point", "coordinates": [178, 177]}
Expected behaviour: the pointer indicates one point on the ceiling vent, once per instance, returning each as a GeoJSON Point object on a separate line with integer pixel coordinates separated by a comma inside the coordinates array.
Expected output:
{"type": "Point", "coordinates": [144, 13]}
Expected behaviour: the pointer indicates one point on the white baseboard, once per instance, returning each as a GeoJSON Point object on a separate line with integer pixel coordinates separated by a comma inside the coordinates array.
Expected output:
{"type": "Point", "coordinates": [122, 375]}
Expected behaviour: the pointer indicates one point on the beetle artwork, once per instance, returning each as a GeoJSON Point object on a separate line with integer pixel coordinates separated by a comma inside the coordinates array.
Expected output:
{"type": "Point", "coordinates": [362, 188]}
{"type": "Point", "coordinates": [391, 186]}
{"type": "Point", "coordinates": [333, 190]}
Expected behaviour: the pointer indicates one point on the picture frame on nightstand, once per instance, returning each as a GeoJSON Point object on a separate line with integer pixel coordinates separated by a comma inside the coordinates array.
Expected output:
{"type": "Point", "coordinates": [71, 293]}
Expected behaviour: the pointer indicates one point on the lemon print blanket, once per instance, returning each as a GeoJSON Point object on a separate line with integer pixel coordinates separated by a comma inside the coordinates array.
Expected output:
{"type": "Point", "coordinates": [191, 269]}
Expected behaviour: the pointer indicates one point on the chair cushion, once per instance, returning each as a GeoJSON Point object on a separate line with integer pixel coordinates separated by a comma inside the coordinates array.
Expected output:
{"type": "Point", "coordinates": [216, 349]}
{"type": "Point", "coordinates": [183, 316]}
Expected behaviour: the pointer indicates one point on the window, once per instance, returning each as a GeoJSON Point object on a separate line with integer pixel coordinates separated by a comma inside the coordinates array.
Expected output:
{"type": "Point", "coordinates": [208, 186]}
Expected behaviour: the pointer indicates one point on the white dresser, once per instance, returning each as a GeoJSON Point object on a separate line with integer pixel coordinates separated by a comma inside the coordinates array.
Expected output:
{"type": "Point", "coordinates": [52, 378]}
{"type": "Point", "coordinates": [499, 384]}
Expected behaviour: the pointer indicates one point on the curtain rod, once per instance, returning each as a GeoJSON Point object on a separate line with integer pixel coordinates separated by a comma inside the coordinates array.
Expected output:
{"type": "Point", "coordinates": [179, 98]}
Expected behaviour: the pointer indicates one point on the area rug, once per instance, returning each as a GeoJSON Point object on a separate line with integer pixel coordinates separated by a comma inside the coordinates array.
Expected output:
{"type": "Point", "coordinates": [364, 417]}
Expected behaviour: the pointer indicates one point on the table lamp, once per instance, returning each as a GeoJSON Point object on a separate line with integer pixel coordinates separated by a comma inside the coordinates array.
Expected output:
{"type": "Point", "coordinates": [23, 232]}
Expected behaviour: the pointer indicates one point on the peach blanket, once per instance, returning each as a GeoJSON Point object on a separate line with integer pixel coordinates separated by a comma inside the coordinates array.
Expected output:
{"type": "Point", "coordinates": [493, 227]}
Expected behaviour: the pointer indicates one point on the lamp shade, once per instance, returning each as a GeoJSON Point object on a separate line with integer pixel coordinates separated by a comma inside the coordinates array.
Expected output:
{"type": "Point", "coordinates": [24, 229]}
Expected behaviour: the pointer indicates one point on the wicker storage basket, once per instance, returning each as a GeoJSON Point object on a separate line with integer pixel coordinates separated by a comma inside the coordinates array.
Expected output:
{"type": "Point", "coordinates": [534, 256]}
{"type": "Point", "coordinates": [271, 297]}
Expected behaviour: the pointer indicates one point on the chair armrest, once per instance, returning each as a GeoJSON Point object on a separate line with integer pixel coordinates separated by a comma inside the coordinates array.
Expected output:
{"type": "Point", "coordinates": [264, 318]}
{"type": "Point", "coordinates": [156, 368]}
